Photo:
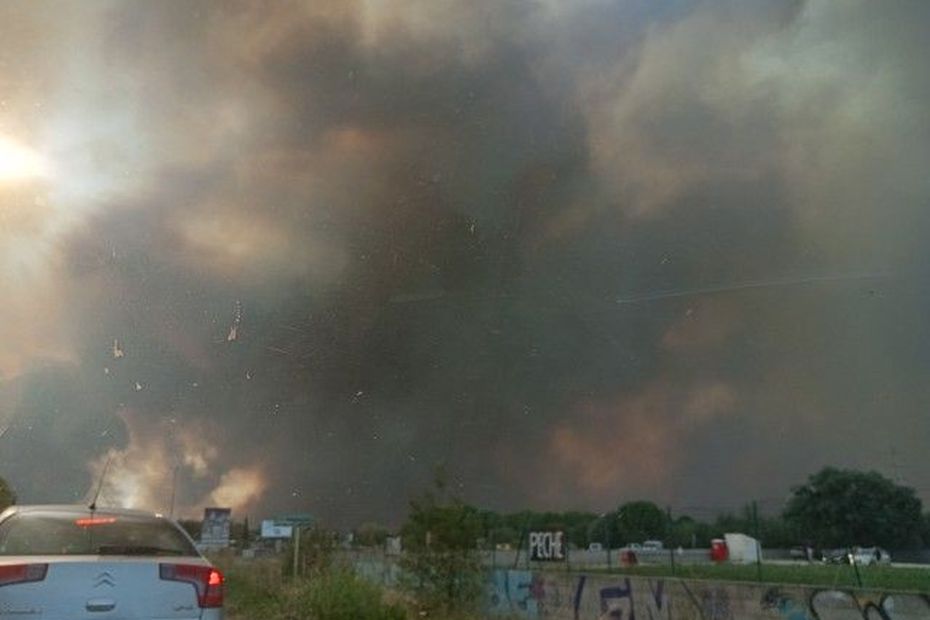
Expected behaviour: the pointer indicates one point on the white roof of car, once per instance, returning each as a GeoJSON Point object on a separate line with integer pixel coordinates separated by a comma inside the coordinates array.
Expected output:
{"type": "Point", "coordinates": [77, 509]}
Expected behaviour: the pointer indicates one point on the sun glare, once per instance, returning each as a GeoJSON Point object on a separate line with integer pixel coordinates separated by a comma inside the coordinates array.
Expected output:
{"type": "Point", "coordinates": [19, 163]}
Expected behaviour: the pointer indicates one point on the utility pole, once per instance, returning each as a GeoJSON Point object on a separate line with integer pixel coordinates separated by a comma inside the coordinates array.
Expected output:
{"type": "Point", "coordinates": [894, 465]}
{"type": "Point", "coordinates": [607, 540]}
{"type": "Point", "coordinates": [296, 549]}
{"type": "Point", "coordinates": [669, 537]}
{"type": "Point", "coordinates": [755, 527]}
{"type": "Point", "coordinates": [174, 486]}
{"type": "Point", "coordinates": [523, 533]}
{"type": "Point", "coordinates": [855, 565]}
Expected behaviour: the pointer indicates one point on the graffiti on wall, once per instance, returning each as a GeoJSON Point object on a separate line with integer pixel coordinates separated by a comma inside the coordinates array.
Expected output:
{"type": "Point", "coordinates": [539, 595]}
{"type": "Point", "coordinates": [551, 595]}
{"type": "Point", "coordinates": [563, 596]}
{"type": "Point", "coordinates": [835, 604]}
{"type": "Point", "coordinates": [509, 593]}
{"type": "Point", "coordinates": [786, 605]}
{"type": "Point", "coordinates": [658, 602]}
{"type": "Point", "coordinates": [618, 603]}
{"type": "Point", "coordinates": [528, 594]}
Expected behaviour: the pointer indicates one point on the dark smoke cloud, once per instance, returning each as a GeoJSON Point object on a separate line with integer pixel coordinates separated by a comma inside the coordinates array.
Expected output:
{"type": "Point", "coordinates": [320, 249]}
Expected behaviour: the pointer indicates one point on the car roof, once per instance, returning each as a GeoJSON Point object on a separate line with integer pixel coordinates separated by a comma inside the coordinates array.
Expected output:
{"type": "Point", "coordinates": [77, 509]}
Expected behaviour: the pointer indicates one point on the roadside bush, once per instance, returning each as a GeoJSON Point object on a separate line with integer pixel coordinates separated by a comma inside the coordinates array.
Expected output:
{"type": "Point", "coordinates": [332, 594]}
{"type": "Point", "coordinates": [316, 553]}
{"type": "Point", "coordinates": [441, 565]}
{"type": "Point", "coordinates": [341, 595]}
{"type": "Point", "coordinates": [443, 582]}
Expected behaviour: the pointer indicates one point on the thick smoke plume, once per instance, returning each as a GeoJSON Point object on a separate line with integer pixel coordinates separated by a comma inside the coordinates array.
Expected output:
{"type": "Point", "coordinates": [293, 255]}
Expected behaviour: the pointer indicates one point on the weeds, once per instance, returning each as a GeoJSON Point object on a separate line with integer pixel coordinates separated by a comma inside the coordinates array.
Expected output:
{"type": "Point", "coordinates": [334, 594]}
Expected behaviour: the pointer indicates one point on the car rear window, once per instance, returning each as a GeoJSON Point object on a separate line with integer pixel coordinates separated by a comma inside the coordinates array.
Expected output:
{"type": "Point", "coordinates": [85, 534]}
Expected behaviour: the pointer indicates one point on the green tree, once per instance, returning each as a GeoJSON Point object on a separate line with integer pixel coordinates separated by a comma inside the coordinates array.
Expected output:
{"type": "Point", "coordinates": [7, 495]}
{"type": "Point", "coordinates": [441, 562]}
{"type": "Point", "coordinates": [729, 522]}
{"type": "Point", "coordinates": [687, 532]}
{"type": "Point", "coordinates": [503, 535]}
{"type": "Point", "coordinates": [772, 531]}
{"type": "Point", "coordinates": [641, 521]}
{"type": "Point", "coordinates": [777, 533]}
{"type": "Point", "coordinates": [577, 526]}
{"type": "Point", "coordinates": [605, 529]}
{"type": "Point", "coordinates": [246, 533]}
{"type": "Point", "coordinates": [838, 507]}
{"type": "Point", "coordinates": [370, 535]}
{"type": "Point", "coordinates": [508, 528]}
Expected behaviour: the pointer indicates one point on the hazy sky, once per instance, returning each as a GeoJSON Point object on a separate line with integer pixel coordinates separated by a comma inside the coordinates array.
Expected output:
{"type": "Point", "coordinates": [579, 252]}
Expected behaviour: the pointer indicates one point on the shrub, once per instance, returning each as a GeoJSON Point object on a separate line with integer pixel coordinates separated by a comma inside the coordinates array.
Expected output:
{"type": "Point", "coordinates": [441, 566]}
{"type": "Point", "coordinates": [341, 595]}
{"type": "Point", "coordinates": [335, 593]}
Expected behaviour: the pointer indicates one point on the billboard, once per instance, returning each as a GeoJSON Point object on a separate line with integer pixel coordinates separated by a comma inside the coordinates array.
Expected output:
{"type": "Point", "coordinates": [547, 546]}
{"type": "Point", "coordinates": [272, 528]}
{"type": "Point", "coordinates": [215, 529]}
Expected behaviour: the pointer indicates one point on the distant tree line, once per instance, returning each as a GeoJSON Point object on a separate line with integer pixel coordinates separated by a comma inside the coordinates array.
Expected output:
{"type": "Point", "coordinates": [833, 508]}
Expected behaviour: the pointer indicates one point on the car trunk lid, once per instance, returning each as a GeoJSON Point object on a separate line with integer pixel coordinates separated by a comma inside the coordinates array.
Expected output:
{"type": "Point", "coordinates": [84, 588]}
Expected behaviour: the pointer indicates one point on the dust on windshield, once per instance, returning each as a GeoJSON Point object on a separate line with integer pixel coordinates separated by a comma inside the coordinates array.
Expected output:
{"type": "Point", "coordinates": [629, 276]}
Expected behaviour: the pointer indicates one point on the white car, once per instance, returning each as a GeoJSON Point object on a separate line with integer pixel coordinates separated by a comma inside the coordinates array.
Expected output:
{"type": "Point", "coordinates": [72, 563]}
{"type": "Point", "coordinates": [868, 556]}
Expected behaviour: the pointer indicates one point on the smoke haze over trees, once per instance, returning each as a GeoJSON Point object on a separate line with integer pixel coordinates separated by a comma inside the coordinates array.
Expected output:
{"type": "Point", "coordinates": [294, 255]}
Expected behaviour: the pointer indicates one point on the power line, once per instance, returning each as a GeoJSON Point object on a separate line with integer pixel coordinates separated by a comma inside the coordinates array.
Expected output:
{"type": "Point", "coordinates": [747, 285]}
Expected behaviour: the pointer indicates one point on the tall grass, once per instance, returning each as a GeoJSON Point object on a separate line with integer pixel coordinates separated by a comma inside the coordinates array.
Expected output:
{"type": "Point", "coordinates": [840, 576]}
{"type": "Point", "coordinates": [260, 591]}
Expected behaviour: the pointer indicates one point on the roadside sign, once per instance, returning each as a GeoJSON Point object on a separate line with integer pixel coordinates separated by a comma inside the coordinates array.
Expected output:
{"type": "Point", "coordinates": [547, 546]}
{"type": "Point", "coordinates": [300, 518]}
{"type": "Point", "coordinates": [276, 529]}
{"type": "Point", "coordinates": [214, 531]}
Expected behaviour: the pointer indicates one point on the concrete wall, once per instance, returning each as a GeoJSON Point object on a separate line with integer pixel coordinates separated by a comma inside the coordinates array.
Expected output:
{"type": "Point", "coordinates": [560, 596]}
{"type": "Point", "coordinates": [552, 595]}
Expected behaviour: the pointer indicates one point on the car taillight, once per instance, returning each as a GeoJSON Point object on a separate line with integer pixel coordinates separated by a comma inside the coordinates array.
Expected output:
{"type": "Point", "coordinates": [207, 581]}
{"type": "Point", "coordinates": [22, 573]}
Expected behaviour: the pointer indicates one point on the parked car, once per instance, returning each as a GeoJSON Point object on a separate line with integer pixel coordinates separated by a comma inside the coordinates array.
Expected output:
{"type": "Point", "coordinates": [868, 556]}
{"type": "Point", "coordinates": [74, 562]}
{"type": "Point", "coordinates": [807, 553]}
{"type": "Point", "coordinates": [653, 545]}
{"type": "Point", "coordinates": [863, 556]}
